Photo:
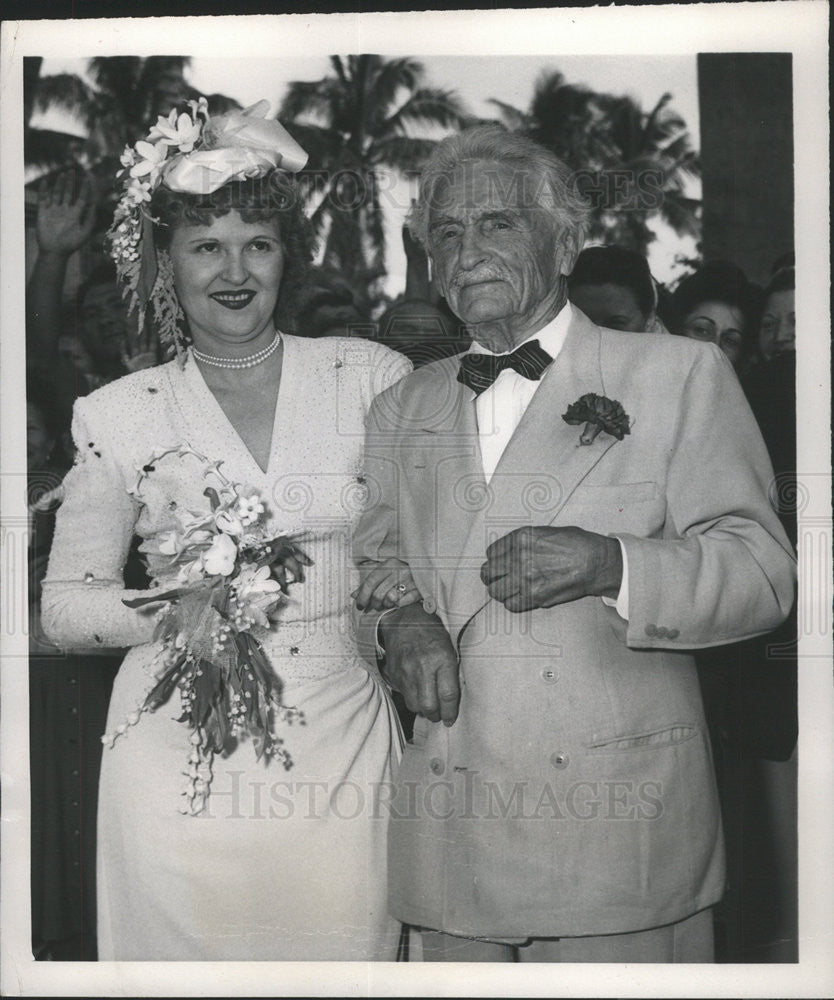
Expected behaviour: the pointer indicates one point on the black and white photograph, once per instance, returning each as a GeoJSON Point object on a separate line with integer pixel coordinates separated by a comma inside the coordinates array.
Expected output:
{"type": "Point", "coordinates": [417, 554]}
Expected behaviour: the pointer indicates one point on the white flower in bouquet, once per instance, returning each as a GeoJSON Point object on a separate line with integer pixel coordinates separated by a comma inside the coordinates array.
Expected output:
{"type": "Point", "coordinates": [221, 556]}
{"type": "Point", "coordinates": [249, 508]}
{"type": "Point", "coordinates": [229, 522]}
{"type": "Point", "coordinates": [258, 592]}
{"type": "Point", "coordinates": [170, 542]}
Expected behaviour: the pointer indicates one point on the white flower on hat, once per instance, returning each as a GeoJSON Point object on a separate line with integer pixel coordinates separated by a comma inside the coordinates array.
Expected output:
{"type": "Point", "coordinates": [152, 157]}
{"type": "Point", "coordinates": [180, 131]}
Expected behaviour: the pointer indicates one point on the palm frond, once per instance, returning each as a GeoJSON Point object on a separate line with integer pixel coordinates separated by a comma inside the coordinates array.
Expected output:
{"type": "Point", "coordinates": [322, 145]}
{"type": "Point", "coordinates": [115, 74]}
{"type": "Point", "coordinates": [392, 75]}
{"type": "Point", "coordinates": [66, 91]}
{"type": "Point", "coordinates": [515, 119]}
{"type": "Point", "coordinates": [428, 105]}
{"type": "Point", "coordinates": [305, 97]}
{"type": "Point", "coordinates": [45, 148]}
{"type": "Point", "coordinates": [402, 152]}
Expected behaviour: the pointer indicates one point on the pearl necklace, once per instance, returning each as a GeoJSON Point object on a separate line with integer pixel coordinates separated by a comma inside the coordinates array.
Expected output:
{"type": "Point", "coordinates": [251, 362]}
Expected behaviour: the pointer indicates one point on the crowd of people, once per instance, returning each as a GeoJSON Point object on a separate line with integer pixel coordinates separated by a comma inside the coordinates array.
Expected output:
{"type": "Point", "coordinates": [278, 401]}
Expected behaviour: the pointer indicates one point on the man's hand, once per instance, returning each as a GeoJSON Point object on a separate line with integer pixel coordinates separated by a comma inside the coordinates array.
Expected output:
{"type": "Point", "coordinates": [66, 214]}
{"type": "Point", "coordinates": [537, 567]}
{"type": "Point", "coordinates": [420, 662]}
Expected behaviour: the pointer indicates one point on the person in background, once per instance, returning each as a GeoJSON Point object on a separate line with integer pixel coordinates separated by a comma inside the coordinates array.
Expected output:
{"type": "Point", "coordinates": [68, 691]}
{"type": "Point", "coordinates": [614, 287]}
{"type": "Point", "coordinates": [766, 692]}
{"type": "Point", "coordinates": [68, 697]}
{"type": "Point", "coordinates": [106, 345]}
{"type": "Point", "coordinates": [419, 324]}
{"type": "Point", "coordinates": [751, 688]}
{"type": "Point", "coordinates": [333, 307]}
{"type": "Point", "coordinates": [718, 305]}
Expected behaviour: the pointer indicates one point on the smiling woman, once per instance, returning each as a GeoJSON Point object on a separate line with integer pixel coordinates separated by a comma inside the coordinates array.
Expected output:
{"type": "Point", "coordinates": [245, 247]}
{"type": "Point", "coordinates": [238, 463]}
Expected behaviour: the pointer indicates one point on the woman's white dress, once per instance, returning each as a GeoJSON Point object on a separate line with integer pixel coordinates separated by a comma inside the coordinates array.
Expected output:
{"type": "Point", "coordinates": [282, 864]}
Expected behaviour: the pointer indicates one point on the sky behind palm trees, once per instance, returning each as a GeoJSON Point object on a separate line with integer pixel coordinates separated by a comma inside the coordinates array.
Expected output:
{"type": "Point", "coordinates": [476, 79]}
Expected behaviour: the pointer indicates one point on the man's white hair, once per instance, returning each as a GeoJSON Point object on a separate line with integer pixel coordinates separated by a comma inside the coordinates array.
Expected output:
{"type": "Point", "coordinates": [543, 178]}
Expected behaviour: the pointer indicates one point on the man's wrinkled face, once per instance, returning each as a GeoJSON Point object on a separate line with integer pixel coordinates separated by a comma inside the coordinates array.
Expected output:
{"type": "Point", "coordinates": [499, 256]}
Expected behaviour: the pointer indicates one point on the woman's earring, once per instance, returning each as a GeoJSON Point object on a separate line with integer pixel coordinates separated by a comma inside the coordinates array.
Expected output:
{"type": "Point", "coordinates": [429, 268]}
{"type": "Point", "coordinates": [167, 314]}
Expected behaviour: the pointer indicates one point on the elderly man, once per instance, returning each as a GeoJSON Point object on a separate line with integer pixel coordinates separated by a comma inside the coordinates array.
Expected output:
{"type": "Point", "coordinates": [578, 509]}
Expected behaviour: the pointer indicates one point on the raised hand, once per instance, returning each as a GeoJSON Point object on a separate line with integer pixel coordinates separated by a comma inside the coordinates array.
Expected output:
{"type": "Point", "coordinates": [538, 567]}
{"type": "Point", "coordinates": [66, 213]}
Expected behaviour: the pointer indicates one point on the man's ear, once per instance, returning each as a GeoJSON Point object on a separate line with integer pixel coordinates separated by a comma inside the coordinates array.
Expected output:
{"type": "Point", "coordinates": [569, 246]}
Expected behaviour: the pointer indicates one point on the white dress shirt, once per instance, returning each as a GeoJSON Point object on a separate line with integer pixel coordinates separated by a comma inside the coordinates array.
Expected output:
{"type": "Point", "coordinates": [499, 410]}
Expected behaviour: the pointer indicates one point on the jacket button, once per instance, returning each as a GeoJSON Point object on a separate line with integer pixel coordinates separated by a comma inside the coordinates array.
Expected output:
{"type": "Point", "coordinates": [673, 633]}
{"type": "Point", "coordinates": [651, 630]}
{"type": "Point", "coordinates": [436, 766]}
{"type": "Point", "coordinates": [429, 605]}
{"type": "Point", "coordinates": [549, 676]}
{"type": "Point", "coordinates": [559, 760]}
{"type": "Point", "coordinates": [661, 632]}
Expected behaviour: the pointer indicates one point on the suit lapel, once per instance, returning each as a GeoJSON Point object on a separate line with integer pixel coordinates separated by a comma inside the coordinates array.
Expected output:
{"type": "Point", "coordinates": [544, 456]}
{"type": "Point", "coordinates": [447, 460]}
{"type": "Point", "coordinates": [541, 466]}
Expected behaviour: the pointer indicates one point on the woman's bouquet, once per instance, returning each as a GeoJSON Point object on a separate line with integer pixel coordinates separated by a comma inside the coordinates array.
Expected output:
{"type": "Point", "coordinates": [231, 575]}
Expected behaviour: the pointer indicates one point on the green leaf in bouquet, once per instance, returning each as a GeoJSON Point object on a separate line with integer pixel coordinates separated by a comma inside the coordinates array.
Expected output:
{"type": "Point", "coordinates": [207, 688]}
{"type": "Point", "coordinates": [199, 620]}
{"type": "Point", "coordinates": [140, 602]}
{"type": "Point", "coordinates": [213, 497]}
{"type": "Point", "coordinates": [216, 731]}
{"type": "Point", "coordinates": [162, 690]}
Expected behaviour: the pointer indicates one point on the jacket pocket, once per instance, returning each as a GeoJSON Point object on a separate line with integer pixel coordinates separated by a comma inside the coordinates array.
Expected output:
{"type": "Point", "coordinates": [655, 739]}
{"type": "Point", "coordinates": [618, 495]}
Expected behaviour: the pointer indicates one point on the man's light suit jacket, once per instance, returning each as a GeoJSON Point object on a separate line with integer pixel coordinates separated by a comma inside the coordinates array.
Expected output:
{"type": "Point", "coordinates": [575, 793]}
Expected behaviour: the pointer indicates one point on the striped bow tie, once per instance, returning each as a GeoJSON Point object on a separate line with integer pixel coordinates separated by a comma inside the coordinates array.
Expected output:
{"type": "Point", "coordinates": [479, 371]}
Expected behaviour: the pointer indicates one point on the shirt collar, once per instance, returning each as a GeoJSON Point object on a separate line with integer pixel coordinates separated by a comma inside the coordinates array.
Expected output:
{"type": "Point", "coordinates": [551, 337]}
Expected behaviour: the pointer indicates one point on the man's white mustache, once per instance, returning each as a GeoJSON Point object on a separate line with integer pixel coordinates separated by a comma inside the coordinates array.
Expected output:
{"type": "Point", "coordinates": [463, 278]}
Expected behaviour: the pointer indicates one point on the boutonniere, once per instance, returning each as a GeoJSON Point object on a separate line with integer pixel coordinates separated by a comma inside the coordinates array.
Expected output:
{"type": "Point", "coordinates": [598, 413]}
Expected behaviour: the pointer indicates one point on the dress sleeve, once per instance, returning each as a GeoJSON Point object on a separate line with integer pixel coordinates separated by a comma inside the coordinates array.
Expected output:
{"type": "Point", "coordinates": [84, 587]}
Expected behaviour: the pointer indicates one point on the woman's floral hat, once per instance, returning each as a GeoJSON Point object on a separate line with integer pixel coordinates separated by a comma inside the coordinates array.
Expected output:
{"type": "Point", "coordinates": [196, 154]}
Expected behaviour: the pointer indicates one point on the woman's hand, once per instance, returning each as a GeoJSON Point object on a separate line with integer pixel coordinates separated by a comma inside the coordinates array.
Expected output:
{"type": "Point", "coordinates": [66, 215]}
{"type": "Point", "coordinates": [387, 584]}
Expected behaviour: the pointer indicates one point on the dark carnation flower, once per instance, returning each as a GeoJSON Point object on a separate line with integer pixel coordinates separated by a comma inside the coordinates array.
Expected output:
{"type": "Point", "coordinates": [605, 414]}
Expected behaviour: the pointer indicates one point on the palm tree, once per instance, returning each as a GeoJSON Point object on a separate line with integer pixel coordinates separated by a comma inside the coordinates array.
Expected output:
{"type": "Point", "coordinates": [353, 123]}
{"type": "Point", "coordinates": [630, 165]}
{"type": "Point", "coordinates": [122, 99]}
{"type": "Point", "coordinates": [654, 156]}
